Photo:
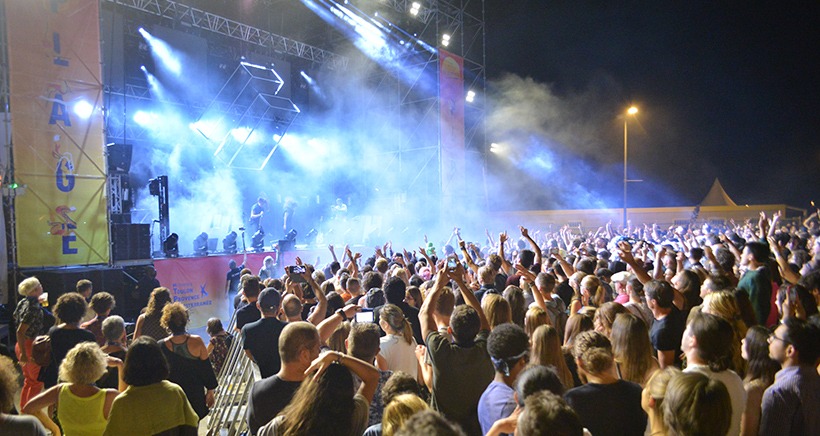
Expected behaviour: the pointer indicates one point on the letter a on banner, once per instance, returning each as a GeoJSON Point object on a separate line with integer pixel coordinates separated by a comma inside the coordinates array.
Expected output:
{"type": "Point", "coordinates": [54, 67]}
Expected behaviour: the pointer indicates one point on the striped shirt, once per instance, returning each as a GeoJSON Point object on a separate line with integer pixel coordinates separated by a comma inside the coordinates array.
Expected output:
{"type": "Point", "coordinates": [790, 405]}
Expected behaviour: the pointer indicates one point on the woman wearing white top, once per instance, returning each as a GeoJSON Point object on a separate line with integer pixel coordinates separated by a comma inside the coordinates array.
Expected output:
{"type": "Point", "coordinates": [398, 348]}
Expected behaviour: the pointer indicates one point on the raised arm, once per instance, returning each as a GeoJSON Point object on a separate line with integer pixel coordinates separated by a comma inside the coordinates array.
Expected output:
{"type": "Point", "coordinates": [538, 255]}
{"type": "Point", "coordinates": [321, 299]}
{"type": "Point", "coordinates": [625, 253]}
{"type": "Point", "coordinates": [787, 273]}
{"type": "Point", "coordinates": [332, 253]}
{"type": "Point", "coordinates": [457, 275]}
{"type": "Point", "coordinates": [529, 277]}
{"type": "Point", "coordinates": [506, 266]}
{"type": "Point", "coordinates": [366, 372]}
{"type": "Point", "coordinates": [428, 324]}
{"type": "Point", "coordinates": [329, 324]}
{"type": "Point", "coordinates": [467, 256]}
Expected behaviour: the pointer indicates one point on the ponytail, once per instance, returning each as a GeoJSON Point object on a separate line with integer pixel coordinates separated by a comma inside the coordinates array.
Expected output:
{"type": "Point", "coordinates": [407, 331]}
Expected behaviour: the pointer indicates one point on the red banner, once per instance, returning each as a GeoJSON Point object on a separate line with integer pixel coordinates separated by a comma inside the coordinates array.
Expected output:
{"type": "Point", "coordinates": [451, 113]}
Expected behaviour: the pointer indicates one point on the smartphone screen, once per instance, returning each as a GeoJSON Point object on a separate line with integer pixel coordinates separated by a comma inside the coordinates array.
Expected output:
{"type": "Point", "coordinates": [364, 316]}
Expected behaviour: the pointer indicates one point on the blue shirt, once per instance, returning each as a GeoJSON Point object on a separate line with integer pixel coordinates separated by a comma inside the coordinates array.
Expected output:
{"type": "Point", "coordinates": [791, 405]}
{"type": "Point", "coordinates": [495, 403]}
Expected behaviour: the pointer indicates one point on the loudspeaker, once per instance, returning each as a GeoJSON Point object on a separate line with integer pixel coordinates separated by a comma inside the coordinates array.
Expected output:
{"type": "Point", "coordinates": [119, 157]}
{"type": "Point", "coordinates": [58, 282]}
{"type": "Point", "coordinates": [131, 241]}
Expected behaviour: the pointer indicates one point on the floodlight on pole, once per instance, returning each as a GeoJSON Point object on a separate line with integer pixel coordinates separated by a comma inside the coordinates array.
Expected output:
{"type": "Point", "coordinates": [632, 111]}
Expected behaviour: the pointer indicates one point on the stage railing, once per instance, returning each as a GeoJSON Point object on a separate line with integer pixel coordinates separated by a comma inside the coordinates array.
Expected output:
{"type": "Point", "coordinates": [227, 417]}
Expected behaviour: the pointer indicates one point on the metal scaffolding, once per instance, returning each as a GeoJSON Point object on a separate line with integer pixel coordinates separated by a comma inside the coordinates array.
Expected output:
{"type": "Point", "coordinates": [198, 18]}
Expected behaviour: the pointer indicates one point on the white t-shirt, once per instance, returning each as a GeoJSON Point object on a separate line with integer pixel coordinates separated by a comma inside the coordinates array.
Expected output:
{"type": "Point", "coordinates": [400, 355]}
{"type": "Point", "coordinates": [734, 384]}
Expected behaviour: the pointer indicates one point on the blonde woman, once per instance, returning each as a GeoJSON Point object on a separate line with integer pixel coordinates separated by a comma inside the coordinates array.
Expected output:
{"type": "Point", "coordinates": [546, 350]}
{"type": "Point", "coordinates": [652, 399]}
{"type": "Point", "coordinates": [82, 407]}
{"type": "Point", "coordinates": [535, 318]}
{"type": "Point", "coordinates": [724, 304]}
{"type": "Point", "coordinates": [604, 317]}
{"type": "Point", "coordinates": [399, 411]}
{"type": "Point", "coordinates": [398, 347]}
{"type": "Point", "coordinates": [496, 309]}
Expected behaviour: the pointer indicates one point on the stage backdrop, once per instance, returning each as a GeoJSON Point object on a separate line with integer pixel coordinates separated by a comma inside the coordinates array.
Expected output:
{"type": "Point", "coordinates": [57, 132]}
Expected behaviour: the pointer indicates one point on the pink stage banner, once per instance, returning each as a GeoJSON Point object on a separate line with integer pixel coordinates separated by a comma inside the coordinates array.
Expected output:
{"type": "Point", "coordinates": [451, 113]}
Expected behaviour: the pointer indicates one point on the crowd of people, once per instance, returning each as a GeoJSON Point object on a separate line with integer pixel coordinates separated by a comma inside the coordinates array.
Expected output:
{"type": "Point", "coordinates": [642, 330]}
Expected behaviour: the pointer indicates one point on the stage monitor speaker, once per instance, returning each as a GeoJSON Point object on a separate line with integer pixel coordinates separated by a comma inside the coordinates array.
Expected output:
{"type": "Point", "coordinates": [287, 245]}
{"type": "Point", "coordinates": [131, 241]}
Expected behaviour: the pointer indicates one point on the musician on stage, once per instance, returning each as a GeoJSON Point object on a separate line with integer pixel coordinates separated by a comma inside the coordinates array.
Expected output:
{"type": "Point", "coordinates": [257, 212]}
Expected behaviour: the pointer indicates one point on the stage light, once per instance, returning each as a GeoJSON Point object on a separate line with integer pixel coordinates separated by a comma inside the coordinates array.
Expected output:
{"type": "Point", "coordinates": [229, 243]}
{"type": "Point", "coordinates": [170, 245]}
{"type": "Point", "coordinates": [291, 236]}
{"type": "Point", "coordinates": [445, 40]}
{"type": "Point", "coordinates": [144, 70]}
{"type": "Point", "coordinates": [414, 8]}
{"type": "Point", "coordinates": [310, 238]}
{"type": "Point", "coordinates": [258, 240]}
{"type": "Point", "coordinates": [495, 148]}
{"type": "Point", "coordinates": [144, 118]}
{"type": "Point", "coordinates": [470, 96]}
{"type": "Point", "coordinates": [201, 244]}
{"type": "Point", "coordinates": [83, 109]}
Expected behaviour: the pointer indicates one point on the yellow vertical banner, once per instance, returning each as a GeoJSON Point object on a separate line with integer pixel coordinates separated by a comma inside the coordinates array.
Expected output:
{"type": "Point", "coordinates": [57, 131]}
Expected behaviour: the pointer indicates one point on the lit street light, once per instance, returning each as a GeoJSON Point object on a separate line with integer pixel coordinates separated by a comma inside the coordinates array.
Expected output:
{"type": "Point", "coordinates": [631, 111]}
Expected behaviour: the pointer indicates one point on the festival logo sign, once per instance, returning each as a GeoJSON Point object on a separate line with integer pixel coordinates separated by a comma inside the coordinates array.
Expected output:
{"type": "Point", "coordinates": [57, 132]}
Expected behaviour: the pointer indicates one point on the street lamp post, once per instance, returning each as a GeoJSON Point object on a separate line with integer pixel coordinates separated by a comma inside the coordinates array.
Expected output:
{"type": "Point", "coordinates": [631, 111]}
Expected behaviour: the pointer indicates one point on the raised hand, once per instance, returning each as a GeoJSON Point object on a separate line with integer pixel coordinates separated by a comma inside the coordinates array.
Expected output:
{"type": "Point", "coordinates": [524, 232]}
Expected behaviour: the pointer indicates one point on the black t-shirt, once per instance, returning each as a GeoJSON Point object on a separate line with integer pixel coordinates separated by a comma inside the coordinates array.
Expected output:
{"type": "Point", "coordinates": [565, 291]}
{"type": "Point", "coordinates": [247, 314]}
{"type": "Point", "coordinates": [62, 341]}
{"type": "Point", "coordinates": [666, 333]}
{"type": "Point", "coordinates": [611, 409]}
{"type": "Point", "coordinates": [233, 278]}
{"type": "Point", "coordinates": [267, 398]}
{"type": "Point", "coordinates": [262, 340]}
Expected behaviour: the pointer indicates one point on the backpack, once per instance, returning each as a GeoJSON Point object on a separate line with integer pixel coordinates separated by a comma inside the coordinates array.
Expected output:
{"type": "Point", "coordinates": [41, 350]}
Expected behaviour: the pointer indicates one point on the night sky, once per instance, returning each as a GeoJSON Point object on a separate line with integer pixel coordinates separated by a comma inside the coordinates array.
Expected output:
{"type": "Point", "coordinates": [724, 90]}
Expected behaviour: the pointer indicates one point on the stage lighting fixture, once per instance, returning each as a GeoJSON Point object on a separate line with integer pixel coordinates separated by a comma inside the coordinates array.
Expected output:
{"type": "Point", "coordinates": [291, 235]}
{"type": "Point", "coordinates": [445, 40]}
{"type": "Point", "coordinates": [310, 238]}
{"type": "Point", "coordinates": [258, 240]}
{"type": "Point", "coordinates": [201, 244]}
{"type": "Point", "coordinates": [229, 243]}
{"type": "Point", "coordinates": [470, 96]}
{"type": "Point", "coordinates": [170, 246]}
{"type": "Point", "coordinates": [495, 148]}
{"type": "Point", "coordinates": [83, 109]}
{"type": "Point", "coordinates": [414, 8]}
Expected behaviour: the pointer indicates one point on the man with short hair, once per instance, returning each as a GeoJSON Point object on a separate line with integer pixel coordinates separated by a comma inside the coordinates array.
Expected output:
{"type": "Point", "coordinates": [101, 303]}
{"type": "Point", "coordinates": [508, 346]}
{"type": "Point", "coordinates": [354, 288]}
{"type": "Point", "coordinates": [259, 336]}
{"type": "Point", "coordinates": [462, 369]}
{"type": "Point", "coordinates": [790, 405]}
{"type": "Point", "coordinates": [298, 346]}
{"type": "Point", "coordinates": [707, 342]}
{"type": "Point", "coordinates": [363, 343]}
{"type": "Point", "coordinates": [85, 288]}
{"type": "Point", "coordinates": [292, 306]}
{"type": "Point", "coordinates": [757, 282]}
{"type": "Point", "coordinates": [249, 312]}
{"type": "Point", "coordinates": [667, 330]}
{"type": "Point", "coordinates": [546, 413]}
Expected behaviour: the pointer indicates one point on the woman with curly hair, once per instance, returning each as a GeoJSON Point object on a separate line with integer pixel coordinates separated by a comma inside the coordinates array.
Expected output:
{"type": "Point", "coordinates": [70, 309]}
{"type": "Point", "coordinates": [82, 407]}
{"type": "Point", "coordinates": [188, 360]}
{"type": "Point", "coordinates": [634, 356]}
{"type": "Point", "coordinates": [760, 373]}
{"type": "Point", "coordinates": [326, 404]}
{"type": "Point", "coordinates": [148, 322]}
